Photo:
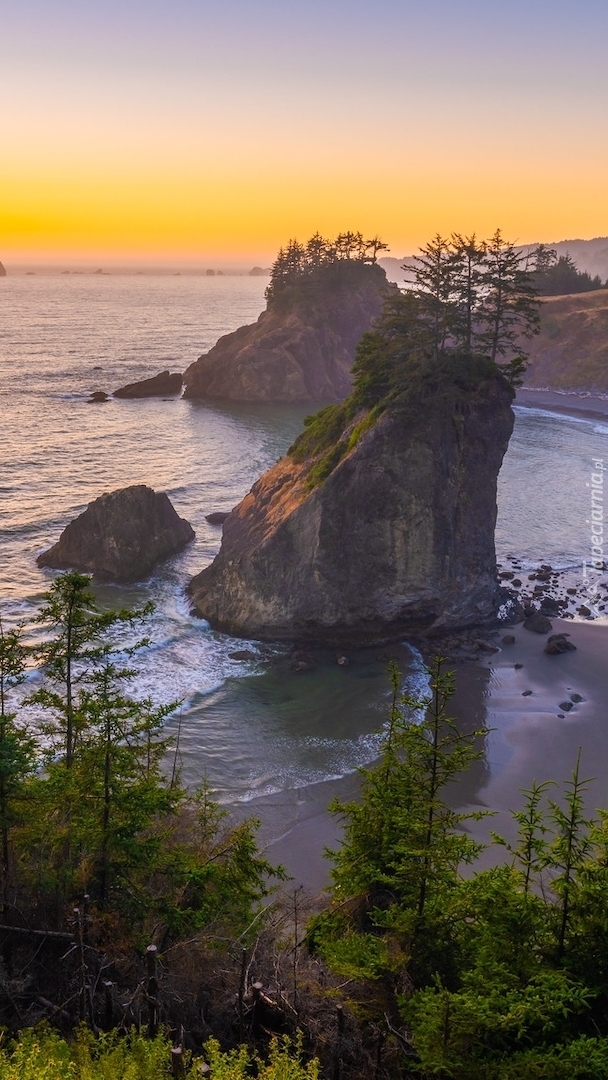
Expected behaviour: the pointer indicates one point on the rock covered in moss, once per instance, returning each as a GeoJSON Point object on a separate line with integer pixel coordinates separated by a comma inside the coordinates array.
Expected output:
{"type": "Point", "coordinates": [394, 535]}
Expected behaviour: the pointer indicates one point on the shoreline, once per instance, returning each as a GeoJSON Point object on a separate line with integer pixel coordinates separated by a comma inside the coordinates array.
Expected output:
{"type": "Point", "coordinates": [528, 738]}
{"type": "Point", "coordinates": [569, 402]}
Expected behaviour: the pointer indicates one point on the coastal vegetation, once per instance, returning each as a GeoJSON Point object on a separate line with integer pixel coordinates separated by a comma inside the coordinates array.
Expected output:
{"type": "Point", "coordinates": [558, 275]}
{"type": "Point", "coordinates": [319, 261]}
{"type": "Point", "coordinates": [571, 351]}
{"type": "Point", "coordinates": [470, 308]}
{"type": "Point", "coordinates": [418, 964]}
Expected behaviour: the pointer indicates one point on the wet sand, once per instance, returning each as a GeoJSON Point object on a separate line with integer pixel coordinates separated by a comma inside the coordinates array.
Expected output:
{"type": "Point", "coordinates": [581, 404]}
{"type": "Point", "coordinates": [528, 741]}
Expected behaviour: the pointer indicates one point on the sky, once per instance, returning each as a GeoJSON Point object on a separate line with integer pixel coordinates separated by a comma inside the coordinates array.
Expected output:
{"type": "Point", "coordinates": [197, 132]}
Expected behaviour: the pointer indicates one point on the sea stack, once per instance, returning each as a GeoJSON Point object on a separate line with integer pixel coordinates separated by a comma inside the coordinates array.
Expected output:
{"type": "Point", "coordinates": [2, 270]}
{"type": "Point", "coordinates": [120, 536]}
{"type": "Point", "coordinates": [379, 522]}
{"type": "Point", "coordinates": [302, 347]}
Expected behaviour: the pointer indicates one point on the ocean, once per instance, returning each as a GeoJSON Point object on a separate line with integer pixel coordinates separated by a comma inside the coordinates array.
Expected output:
{"type": "Point", "coordinates": [248, 726]}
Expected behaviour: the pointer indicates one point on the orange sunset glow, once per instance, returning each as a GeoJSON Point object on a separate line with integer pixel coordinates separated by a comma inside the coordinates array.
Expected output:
{"type": "Point", "coordinates": [193, 133]}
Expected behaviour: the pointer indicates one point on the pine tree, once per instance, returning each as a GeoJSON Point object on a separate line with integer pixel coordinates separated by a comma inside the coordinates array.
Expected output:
{"type": "Point", "coordinates": [76, 642]}
{"type": "Point", "coordinates": [17, 747]}
{"type": "Point", "coordinates": [403, 845]}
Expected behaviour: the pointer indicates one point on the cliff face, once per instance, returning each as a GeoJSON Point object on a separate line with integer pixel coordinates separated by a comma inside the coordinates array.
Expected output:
{"type": "Point", "coordinates": [571, 350]}
{"type": "Point", "coordinates": [301, 348]}
{"type": "Point", "coordinates": [398, 539]}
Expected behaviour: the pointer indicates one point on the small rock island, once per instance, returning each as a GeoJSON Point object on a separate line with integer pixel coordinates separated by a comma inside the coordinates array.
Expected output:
{"type": "Point", "coordinates": [166, 382]}
{"type": "Point", "coordinates": [380, 520]}
{"type": "Point", "coordinates": [121, 536]}
{"type": "Point", "coordinates": [322, 297]}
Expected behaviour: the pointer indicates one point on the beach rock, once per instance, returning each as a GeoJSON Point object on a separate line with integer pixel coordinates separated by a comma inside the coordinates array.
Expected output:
{"type": "Point", "coordinates": [576, 698]}
{"type": "Point", "coordinates": [120, 536]}
{"type": "Point", "coordinates": [97, 397]}
{"type": "Point", "coordinates": [398, 538]}
{"type": "Point", "coordinates": [537, 623]}
{"type": "Point", "coordinates": [302, 347]}
{"type": "Point", "coordinates": [165, 382]}
{"type": "Point", "coordinates": [558, 643]}
{"type": "Point", "coordinates": [566, 706]}
{"type": "Point", "coordinates": [516, 583]}
{"type": "Point", "coordinates": [508, 639]}
{"type": "Point", "coordinates": [485, 646]}
{"type": "Point", "coordinates": [584, 610]}
{"type": "Point", "coordinates": [2, 270]}
{"type": "Point", "coordinates": [218, 517]}
{"type": "Point", "coordinates": [550, 606]}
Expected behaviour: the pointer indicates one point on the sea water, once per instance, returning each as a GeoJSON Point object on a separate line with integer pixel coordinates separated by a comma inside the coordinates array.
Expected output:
{"type": "Point", "coordinates": [248, 725]}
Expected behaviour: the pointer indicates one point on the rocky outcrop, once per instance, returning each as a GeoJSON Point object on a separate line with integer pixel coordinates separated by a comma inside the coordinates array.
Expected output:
{"type": "Point", "coordinates": [301, 348]}
{"type": "Point", "coordinates": [121, 536]}
{"type": "Point", "coordinates": [397, 539]}
{"type": "Point", "coordinates": [2, 270]}
{"type": "Point", "coordinates": [166, 382]}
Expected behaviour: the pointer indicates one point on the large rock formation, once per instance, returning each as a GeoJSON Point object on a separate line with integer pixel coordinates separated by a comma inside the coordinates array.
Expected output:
{"type": "Point", "coordinates": [120, 536]}
{"type": "Point", "coordinates": [2, 270]}
{"type": "Point", "coordinates": [166, 382]}
{"type": "Point", "coordinates": [571, 350]}
{"type": "Point", "coordinates": [302, 347]}
{"type": "Point", "coordinates": [398, 538]}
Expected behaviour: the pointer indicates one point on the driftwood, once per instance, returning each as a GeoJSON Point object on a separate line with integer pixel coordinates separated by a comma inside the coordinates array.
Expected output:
{"type": "Point", "coordinates": [60, 934]}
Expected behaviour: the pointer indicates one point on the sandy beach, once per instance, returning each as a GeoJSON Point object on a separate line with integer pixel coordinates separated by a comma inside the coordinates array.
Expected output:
{"type": "Point", "coordinates": [579, 404]}
{"type": "Point", "coordinates": [530, 737]}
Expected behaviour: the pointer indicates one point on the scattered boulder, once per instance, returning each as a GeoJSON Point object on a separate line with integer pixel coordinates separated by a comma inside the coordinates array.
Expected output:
{"type": "Point", "coordinates": [584, 610]}
{"type": "Point", "coordinates": [508, 639]}
{"type": "Point", "coordinates": [242, 654]}
{"type": "Point", "coordinates": [97, 397]}
{"type": "Point", "coordinates": [537, 623]}
{"type": "Point", "coordinates": [576, 698]}
{"type": "Point", "coordinates": [120, 536]}
{"type": "Point", "coordinates": [566, 706]}
{"type": "Point", "coordinates": [485, 646]}
{"type": "Point", "coordinates": [558, 643]}
{"type": "Point", "coordinates": [217, 518]}
{"type": "Point", "coordinates": [166, 382]}
{"type": "Point", "coordinates": [549, 606]}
